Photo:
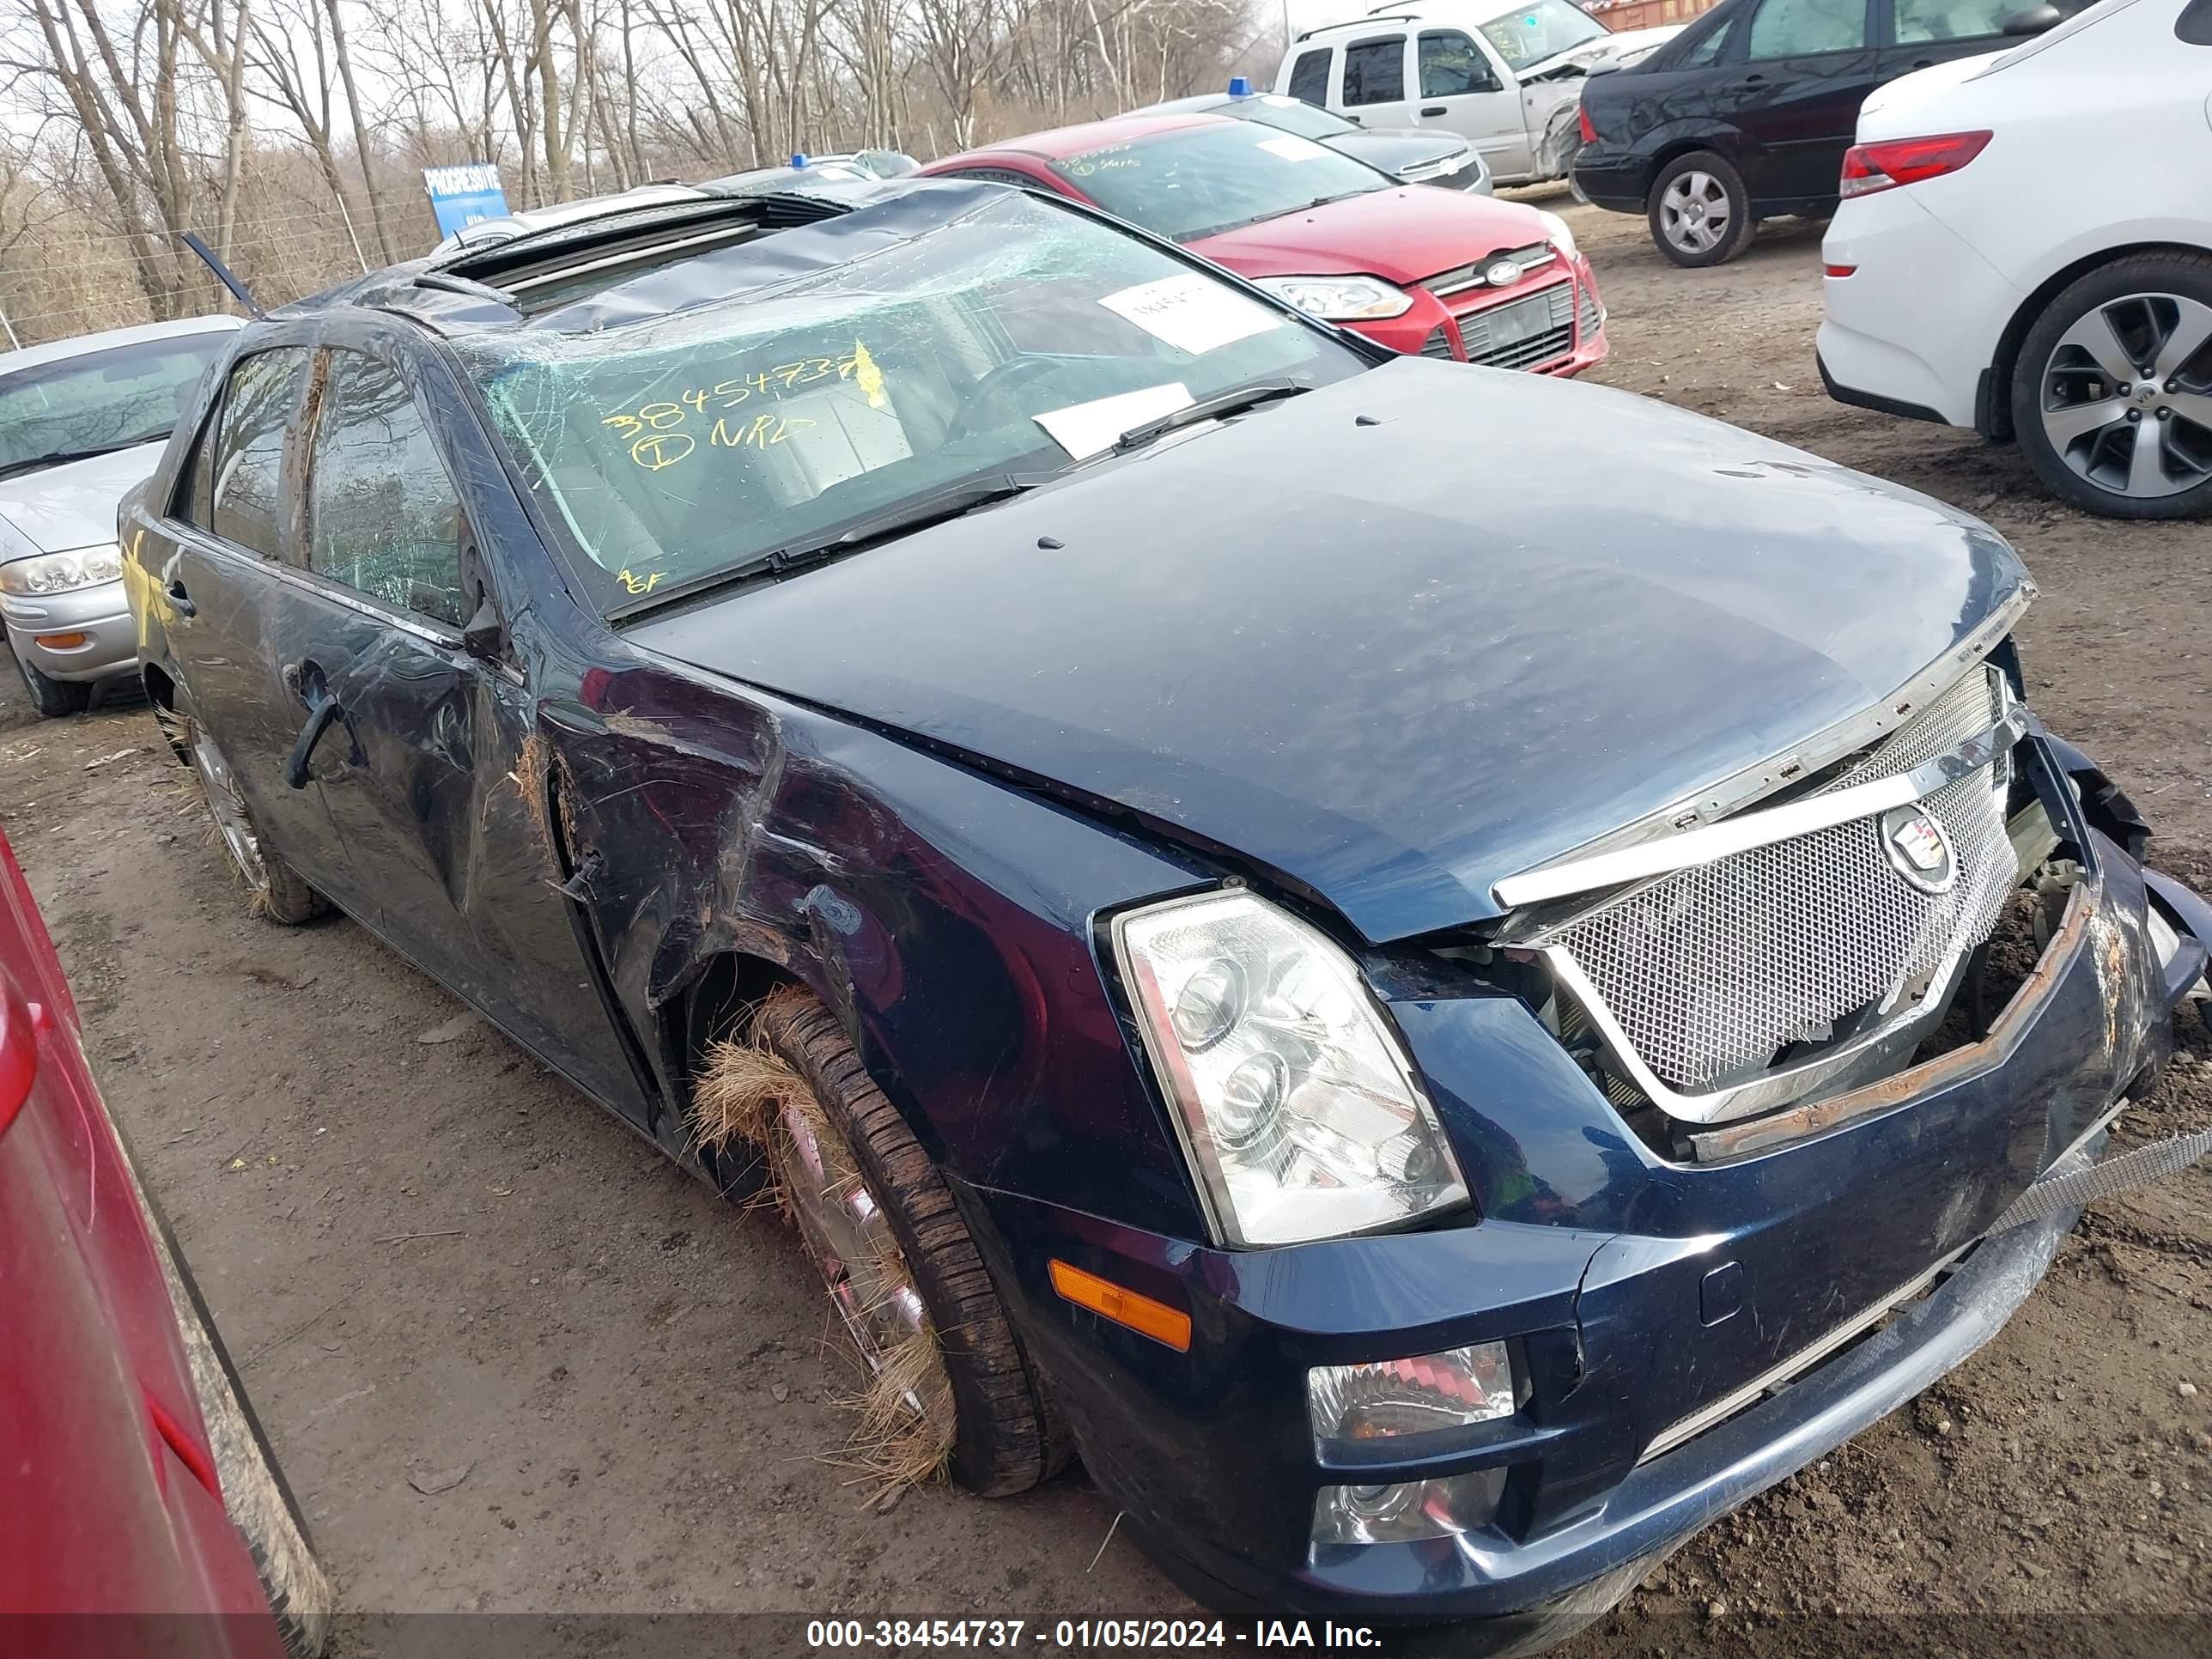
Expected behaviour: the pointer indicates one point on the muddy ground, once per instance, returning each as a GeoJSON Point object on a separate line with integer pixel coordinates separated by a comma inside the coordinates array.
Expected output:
{"type": "Point", "coordinates": [440, 1268]}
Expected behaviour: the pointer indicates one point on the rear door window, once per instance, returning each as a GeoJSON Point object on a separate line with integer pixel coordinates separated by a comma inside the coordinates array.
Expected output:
{"type": "Point", "coordinates": [1309, 76]}
{"type": "Point", "coordinates": [383, 516]}
{"type": "Point", "coordinates": [1375, 72]}
{"type": "Point", "coordinates": [245, 490]}
{"type": "Point", "coordinates": [1800, 28]}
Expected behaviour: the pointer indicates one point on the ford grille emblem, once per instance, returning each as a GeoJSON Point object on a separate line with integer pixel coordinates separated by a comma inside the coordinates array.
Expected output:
{"type": "Point", "coordinates": [1918, 849]}
{"type": "Point", "coordinates": [1502, 273]}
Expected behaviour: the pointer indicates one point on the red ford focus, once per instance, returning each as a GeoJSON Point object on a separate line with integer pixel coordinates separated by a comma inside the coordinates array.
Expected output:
{"type": "Point", "coordinates": [1442, 273]}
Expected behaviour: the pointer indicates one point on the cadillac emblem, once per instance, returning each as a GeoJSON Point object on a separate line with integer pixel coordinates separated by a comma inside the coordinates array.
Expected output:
{"type": "Point", "coordinates": [1918, 849]}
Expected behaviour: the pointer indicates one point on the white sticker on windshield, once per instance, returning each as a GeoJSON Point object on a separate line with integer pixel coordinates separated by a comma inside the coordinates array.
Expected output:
{"type": "Point", "coordinates": [1087, 429]}
{"type": "Point", "coordinates": [1291, 148]}
{"type": "Point", "coordinates": [1192, 312]}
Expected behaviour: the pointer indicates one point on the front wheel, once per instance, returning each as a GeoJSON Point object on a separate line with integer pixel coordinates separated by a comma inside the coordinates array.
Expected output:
{"type": "Point", "coordinates": [53, 698]}
{"type": "Point", "coordinates": [273, 888]}
{"type": "Point", "coordinates": [2111, 392]}
{"type": "Point", "coordinates": [1699, 210]}
{"type": "Point", "coordinates": [948, 1388]}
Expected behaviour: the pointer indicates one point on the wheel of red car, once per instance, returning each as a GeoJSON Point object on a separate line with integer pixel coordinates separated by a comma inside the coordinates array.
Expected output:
{"type": "Point", "coordinates": [950, 1389]}
{"type": "Point", "coordinates": [2112, 391]}
{"type": "Point", "coordinates": [1700, 211]}
{"type": "Point", "coordinates": [273, 888]}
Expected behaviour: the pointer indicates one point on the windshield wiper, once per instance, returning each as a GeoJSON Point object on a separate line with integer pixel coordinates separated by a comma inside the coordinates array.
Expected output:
{"type": "Point", "coordinates": [1234, 401]}
{"type": "Point", "coordinates": [906, 517]}
{"type": "Point", "coordinates": [64, 457]}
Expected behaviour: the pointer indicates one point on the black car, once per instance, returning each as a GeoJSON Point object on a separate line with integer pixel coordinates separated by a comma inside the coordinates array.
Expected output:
{"type": "Point", "coordinates": [1746, 113]}
{"type": "Point", "coordinates": [1121, 796]}
{"type": "Point", "coordinates": [1412, 155]}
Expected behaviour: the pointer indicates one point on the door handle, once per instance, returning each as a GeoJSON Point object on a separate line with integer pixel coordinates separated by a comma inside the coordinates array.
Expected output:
{"type": "Point", "coordinates": [323, 711]}
{"type": "Point", "coordinates": [1434, 109]}
{"type": "Point", "coordinates": [181, 602]}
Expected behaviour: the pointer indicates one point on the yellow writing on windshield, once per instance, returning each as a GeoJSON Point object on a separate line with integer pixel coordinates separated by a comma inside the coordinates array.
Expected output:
{"type": "Point", "coordinates": [644, 584]}
{"type": "Point", "coordinates": [868, 377]}
{"type": "Point", "coordinates": [657, 432]}
{"type": "Point", "coordinates": [759, 432]}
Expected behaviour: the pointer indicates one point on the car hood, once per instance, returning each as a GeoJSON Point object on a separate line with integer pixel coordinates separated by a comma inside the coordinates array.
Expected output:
{"type": "Point", "coordinates": [73, 506]}
{"type": "Point", "coordinates": [1390, 664]}
{"type": "Point", "coordinates": [1404, 234]}
{"type": "Point", "coordinates": [1397, 147]}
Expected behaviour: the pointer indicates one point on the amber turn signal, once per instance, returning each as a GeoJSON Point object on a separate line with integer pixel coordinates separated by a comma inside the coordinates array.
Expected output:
{"type": "Point", "coordinates": [1139, 1313]}
{"type": "Point", "coordinates": [60, 642]}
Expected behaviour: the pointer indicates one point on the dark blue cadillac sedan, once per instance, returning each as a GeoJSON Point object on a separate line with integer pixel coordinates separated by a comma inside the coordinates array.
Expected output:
{"type": "Point", "coordinates": [1444, 974]}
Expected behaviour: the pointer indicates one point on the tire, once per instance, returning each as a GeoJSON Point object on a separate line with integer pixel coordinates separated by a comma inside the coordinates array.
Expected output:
{"type": "Point", "coordinates": [1005, 1436]}
{"type": "Point", "coordinates": [1680, 210]}
{"type": "Point", "coordinates": [2146, 453]}
{"type": "Point", "coordinates": [273, 888]}
{"type": "Point", "coordinates": [53, 698]}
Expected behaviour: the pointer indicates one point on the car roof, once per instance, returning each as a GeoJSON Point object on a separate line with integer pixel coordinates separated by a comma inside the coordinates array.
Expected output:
{"type": "Point", "coordinates": [1464, 12]}
{"type": "Point", "coordinates": [1058, 143]}
{"type": "Point", "coordinates": [656, 260]}
{"type": "Point", "coordinates": [78, 345]}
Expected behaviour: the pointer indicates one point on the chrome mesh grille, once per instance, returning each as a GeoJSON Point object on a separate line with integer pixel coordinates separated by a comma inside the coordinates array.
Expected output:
{"type": "Point", "coordinates": [1551, 310]}
{"type": "Point", "coordinates": [1709, 971]}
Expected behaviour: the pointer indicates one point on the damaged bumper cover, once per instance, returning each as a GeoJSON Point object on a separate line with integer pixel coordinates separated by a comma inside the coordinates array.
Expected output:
{"type": "Point", "coordinates": [1684, 1334]}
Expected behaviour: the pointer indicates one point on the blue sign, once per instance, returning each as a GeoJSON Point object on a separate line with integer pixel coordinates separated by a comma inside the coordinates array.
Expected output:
{"type": "Point", "coordinates": [463, 195]}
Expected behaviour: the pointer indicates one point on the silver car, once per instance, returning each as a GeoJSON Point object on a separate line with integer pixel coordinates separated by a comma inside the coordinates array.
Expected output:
{"type": "Point", "coordinates": [81, 421]}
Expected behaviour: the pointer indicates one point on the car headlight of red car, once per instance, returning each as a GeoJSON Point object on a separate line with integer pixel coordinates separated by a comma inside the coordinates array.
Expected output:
{"type": "Point", "coordinates": [1339, 299]}
{"type": "Point", "coordinates": [1294, 1103]}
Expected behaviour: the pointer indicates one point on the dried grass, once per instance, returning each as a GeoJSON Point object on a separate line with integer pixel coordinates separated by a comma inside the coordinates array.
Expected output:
{"type": "Point", "coordinates": [747, 1093]}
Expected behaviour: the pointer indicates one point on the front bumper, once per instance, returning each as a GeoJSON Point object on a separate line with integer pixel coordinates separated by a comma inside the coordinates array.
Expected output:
{"type": "Point", "coordinates": [1689, 1334]}
{"type": "Point", "coordinates": [1437, 328]}
{"type": "Point", "coordinates": [100, 613]}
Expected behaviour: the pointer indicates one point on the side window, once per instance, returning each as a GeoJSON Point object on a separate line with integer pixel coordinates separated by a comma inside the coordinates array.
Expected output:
{"type": "Point", "coordinates": [1452, 65]}
{"type": "Point", "coordinates": [1375, 72]}
{"type": "Point", "coordinates": [383, 516]}
{"type": "Point", "coordinates": [1310, 76]}
{"type": "Point", "coordinates": [1706, 52]}
{"type": "Point", "coordinates": [194, 498]}
{"type": "Point", "coordinates": [246, 480]}
{"type": "Point", "coordinates": [1919, 21]}
{"type": "Point", "coordinates": [1798, 28]}
{"type": "Point", "coordinates": [2193, 27]}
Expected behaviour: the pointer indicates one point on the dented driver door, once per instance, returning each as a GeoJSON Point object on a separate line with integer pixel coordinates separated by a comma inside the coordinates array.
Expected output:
{"type": "Point", "coordinates": [422, 729]}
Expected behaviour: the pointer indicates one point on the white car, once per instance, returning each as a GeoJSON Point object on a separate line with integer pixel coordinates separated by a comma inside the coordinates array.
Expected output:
{"type": "Point", "coordinates": [1506, 78]}
{"type": "Point", "coordinates": [1990, 267]}
{"type": "Point", "coordinates": [82, 420]}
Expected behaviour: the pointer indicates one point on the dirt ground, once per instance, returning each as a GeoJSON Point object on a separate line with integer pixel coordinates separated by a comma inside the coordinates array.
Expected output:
{"type": "Point", "coordinates": [513, 1359]}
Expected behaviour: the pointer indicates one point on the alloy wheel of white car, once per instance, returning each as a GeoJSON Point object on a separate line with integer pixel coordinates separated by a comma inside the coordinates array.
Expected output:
{"type": "Point", "coordinates": [2116, 406]}
{"type": "Point", "coordinates": [2113, 390]}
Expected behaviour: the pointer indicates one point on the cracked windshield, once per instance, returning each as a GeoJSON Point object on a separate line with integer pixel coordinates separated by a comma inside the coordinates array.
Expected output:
{"type": "Point", "coordinates": [1017, 339]}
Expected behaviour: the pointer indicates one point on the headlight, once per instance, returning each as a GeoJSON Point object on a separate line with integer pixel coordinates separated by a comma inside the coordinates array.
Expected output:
{"type": "Point", "coordinates": [1299, 1114]}
{"type": "Point", "coordinates": [1378, 1399]}
{"type": "Point", "coordinates": [1560, 237]}
{"type": "Point", "coordinates": [57, 573]}
{"type": "Point", "coordinates": [1339, 299]}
